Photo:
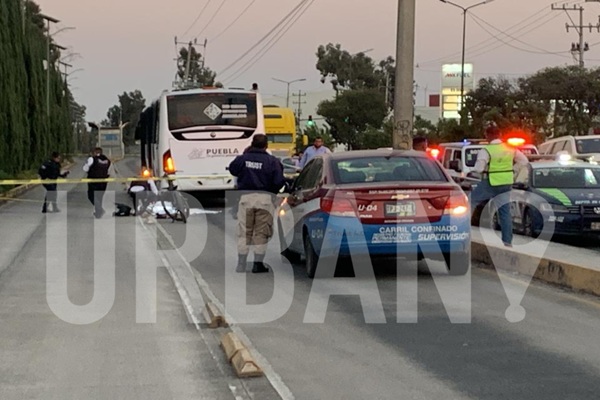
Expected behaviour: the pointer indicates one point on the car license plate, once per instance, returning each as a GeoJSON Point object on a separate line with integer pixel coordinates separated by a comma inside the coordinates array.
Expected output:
{"type": "Point", "coordinates": [596, 226]}
{"type": "Point", "coordinates": [407, 209]}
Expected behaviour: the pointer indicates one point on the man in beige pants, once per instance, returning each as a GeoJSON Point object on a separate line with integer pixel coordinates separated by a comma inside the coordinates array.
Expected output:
{"type": "Point", "coordinates": [260, 175]}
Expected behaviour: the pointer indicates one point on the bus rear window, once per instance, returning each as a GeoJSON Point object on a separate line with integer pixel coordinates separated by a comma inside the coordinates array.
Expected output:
{"type": "Point", "coordinates": [212, 109]}
{"type": "Point", "coordinates": [280, 137]}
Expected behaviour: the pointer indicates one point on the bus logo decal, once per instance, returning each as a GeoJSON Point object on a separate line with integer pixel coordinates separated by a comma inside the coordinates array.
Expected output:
{"type": "Point", "coordinates": [212, 111]}
{"type": "Point", "coordinates": [197, 154]}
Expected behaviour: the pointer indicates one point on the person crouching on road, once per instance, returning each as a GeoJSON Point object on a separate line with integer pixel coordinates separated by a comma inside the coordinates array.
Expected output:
{"type": "Point", "coordinates": [97, 167]}
{"type": "Point", "coordinates": [261, 176]}
{"type": "Point", "coordinates": [496, 164]}
{"type": "Point", "coordinates": [50, 169]}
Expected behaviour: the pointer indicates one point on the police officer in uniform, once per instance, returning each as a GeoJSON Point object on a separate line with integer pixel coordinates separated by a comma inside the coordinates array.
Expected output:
{"type": "Point", "coordinates": [496, 163]}
{"type": "Point", "coordinates": [50, 169]}
{"type": "Point", "coordinates": [97, 167]}
{"type": "Point", "coordinates": [260, 175]}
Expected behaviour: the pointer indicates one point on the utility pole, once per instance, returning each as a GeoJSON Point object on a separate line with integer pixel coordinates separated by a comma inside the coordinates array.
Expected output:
{"type": "Point", "coordinates": [403, 91]}
{"type": "Point", "coordinates": [55, 21]}
{"type": "Point", "coordinates": [23, 13]}
{"type": "Point", "coordinates": [387, 89]}
{"type": "Point", "coordinates": [581, 47]}
{"type": "Point", "coordinates": [204, 53]}
{"type": "Point", "coordinates": [288, 83]}
{"type": "Point", "coordinates": [186, 78]}
{"type": "Point", "coordinates": [66, 71]}
{"type": "Point", "coordinates": [299, 103]}
{"type": "Point", "coordinates": [188, 63]}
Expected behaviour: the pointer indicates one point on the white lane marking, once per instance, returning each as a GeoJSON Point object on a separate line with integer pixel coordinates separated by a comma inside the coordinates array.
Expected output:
{"type": "Point", "coordinates": [189, 310]}
{"type": "Point", "coordinates": [274, 378]}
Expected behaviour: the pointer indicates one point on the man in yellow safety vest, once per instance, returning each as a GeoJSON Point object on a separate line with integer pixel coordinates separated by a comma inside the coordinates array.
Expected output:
{"type": "Point", "coordinates": [497, 164]}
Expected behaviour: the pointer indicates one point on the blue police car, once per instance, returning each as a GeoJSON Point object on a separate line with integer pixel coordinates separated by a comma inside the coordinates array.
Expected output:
{"type": "Point", "coordinates": [564, 193]}
{"type": "Point", "coordinates": [379, 203]}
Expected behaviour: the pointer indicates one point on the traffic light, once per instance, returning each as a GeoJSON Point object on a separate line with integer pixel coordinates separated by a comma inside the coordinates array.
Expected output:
{"type": "Point", "coordinates": [310, 123]}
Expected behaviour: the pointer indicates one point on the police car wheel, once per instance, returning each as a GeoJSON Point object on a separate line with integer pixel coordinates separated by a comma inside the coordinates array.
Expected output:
{"type": "Point", "coordinates": [458, 263]}
{"type": "Point", "coordinates": [528, 223]}
{"type": "Point", "coordinates": [311, 256]}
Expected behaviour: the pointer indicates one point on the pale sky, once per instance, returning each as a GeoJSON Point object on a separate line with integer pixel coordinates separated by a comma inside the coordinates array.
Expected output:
{"type": "Point", "coordinates": [129, 44]}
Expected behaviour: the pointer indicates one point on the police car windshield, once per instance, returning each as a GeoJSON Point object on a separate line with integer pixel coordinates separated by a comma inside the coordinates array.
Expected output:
{"type": "Point", "coordinates": [586, 146]}
{"type": "Point", "coordinates": [212, 109]}
{"type": "Point", "coordinates": [566, 178]}
{"type": "Point", "coordinates": [388, 169]}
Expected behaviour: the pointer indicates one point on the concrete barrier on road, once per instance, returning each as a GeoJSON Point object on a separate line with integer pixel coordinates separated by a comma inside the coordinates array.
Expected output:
{"type": "Point", "coordinates": [565, 266]}
{"type": "Point", "coordinates": [244, 365]}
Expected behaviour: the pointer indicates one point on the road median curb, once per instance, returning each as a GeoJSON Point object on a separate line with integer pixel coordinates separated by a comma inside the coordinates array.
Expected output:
{"type": "Point", "coordinates": [556, 272]}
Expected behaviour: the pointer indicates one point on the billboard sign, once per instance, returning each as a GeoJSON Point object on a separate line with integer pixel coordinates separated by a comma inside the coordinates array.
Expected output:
{"type": "Point", "coordinates": [451, 96]}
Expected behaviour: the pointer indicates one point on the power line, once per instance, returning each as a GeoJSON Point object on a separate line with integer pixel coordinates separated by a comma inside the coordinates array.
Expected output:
{"type": "Point", "coordinates": [501, 44]}
{"type": "Point", "coordinates": [198, 17]}
{"type": "Point", "coordinates": [234, 21]}
{"type": "Point", "coordinates": [482, 45]}
{"type": "Point", "coordinates": [539, 49]}
{"type": "Point", "coordinates": [269, 45]}
{"type": "Point", "coordinates": [485, 42]}
{"type": "Point", "coordinates": [283, 20]}
{"type": "Point", "coordinates": [212, 18]}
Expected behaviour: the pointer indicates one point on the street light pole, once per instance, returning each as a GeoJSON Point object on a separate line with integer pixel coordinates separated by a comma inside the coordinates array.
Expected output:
{"type": "Point", "coordinates": [288, 83]}
{"type": "Point", "coordinates": [55, 21]}
{"type": "Point", "coordinates": [464, 40]}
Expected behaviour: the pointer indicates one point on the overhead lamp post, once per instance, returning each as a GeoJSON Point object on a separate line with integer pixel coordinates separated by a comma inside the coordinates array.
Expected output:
{"type": "Point", "coordinates": [288, 83]}
{"type": "Point", "coordinates": [55, 21]}
{"type": "Point", "coordinates": [462, 65]}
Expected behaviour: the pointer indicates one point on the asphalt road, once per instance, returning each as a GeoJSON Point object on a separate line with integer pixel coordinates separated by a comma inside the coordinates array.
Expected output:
{"type": "Point", "coordinates": [49, 351]}
{"type": "Point", "coordinates": [553, 353]}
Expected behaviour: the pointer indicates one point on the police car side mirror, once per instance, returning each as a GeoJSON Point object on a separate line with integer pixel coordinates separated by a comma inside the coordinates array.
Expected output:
{"type": "Point", "coordinates": [454, 165]}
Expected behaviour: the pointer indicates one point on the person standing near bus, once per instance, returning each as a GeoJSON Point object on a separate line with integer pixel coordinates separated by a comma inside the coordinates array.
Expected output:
{"type": "Point", "coordinates": [97, 167]}
{"type": "Point", "coordinates": [50, 169]}
{"type": "Point", "coordinates": [311, 152]}
{"type": "Point", "coordinates": [261, 176]}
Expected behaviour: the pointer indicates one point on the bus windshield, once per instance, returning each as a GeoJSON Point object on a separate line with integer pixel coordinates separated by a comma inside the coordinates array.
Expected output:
{"type": "Point", "coordinates": [212, 109]}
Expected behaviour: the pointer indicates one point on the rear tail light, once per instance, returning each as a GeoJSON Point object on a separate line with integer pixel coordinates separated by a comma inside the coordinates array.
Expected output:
{"type": "Point", "coordinates": [338, 207]}
{"type": "Point", "coordinates": [168, 163]}
{"type": "Point", "coordinates": [455, 204]}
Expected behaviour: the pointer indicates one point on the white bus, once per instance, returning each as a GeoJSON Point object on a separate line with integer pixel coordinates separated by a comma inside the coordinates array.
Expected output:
{"type": "Point", "coordinates": [199, 132]}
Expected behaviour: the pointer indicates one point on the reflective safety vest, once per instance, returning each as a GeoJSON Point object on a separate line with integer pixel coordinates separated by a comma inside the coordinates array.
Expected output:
{"type": "Point", "coordinates": [500, 169]}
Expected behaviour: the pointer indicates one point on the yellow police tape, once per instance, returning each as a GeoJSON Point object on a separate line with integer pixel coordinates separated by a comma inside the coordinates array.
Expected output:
{"type": "Point", "coordinates": [16, 182]}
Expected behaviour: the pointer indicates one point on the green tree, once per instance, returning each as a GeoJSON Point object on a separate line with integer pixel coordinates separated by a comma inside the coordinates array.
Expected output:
{"type": "Point", "coordinates": [29, 129]}
{"type": "Point", "coordinates": [128, 111]}
{"type": "Point", "coordinates": [199, 75]}
{"type": "Point", "coordinates": [351, 113]}
{"type": "Point", "coordinates": [570, 97]}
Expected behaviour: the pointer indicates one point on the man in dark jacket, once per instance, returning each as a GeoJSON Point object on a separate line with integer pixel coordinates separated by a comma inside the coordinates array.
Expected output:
{"type": "Point", "coordinates": [50, 169]}
{"type": "Point", "coordinates": [260, 175]}
{"type": "Point", "coordinates": [97, 167]}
